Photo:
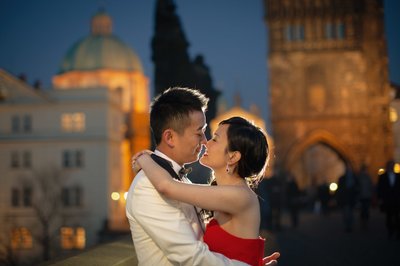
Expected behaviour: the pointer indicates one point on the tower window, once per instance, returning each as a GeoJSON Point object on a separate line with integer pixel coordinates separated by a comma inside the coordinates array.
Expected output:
{"type": "Point", "coordinates": [329, 33]}
{"type": "Point", "coordinates": [340, 31]}
{"type": "Point", "coordinates": [294, 32]}
{"type": "Point", "coordinates": [299, 33]}
{"type": "Point", "coordinates": [288, 33]}
{"type": "Point", "coordinates": [335, 31]}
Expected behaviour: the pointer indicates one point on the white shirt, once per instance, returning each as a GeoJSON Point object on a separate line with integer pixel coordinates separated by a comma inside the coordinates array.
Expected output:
{"type": "Point", "coordinates": [165, 231]}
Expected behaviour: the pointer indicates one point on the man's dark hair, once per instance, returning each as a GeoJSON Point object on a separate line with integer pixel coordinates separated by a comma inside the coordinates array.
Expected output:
{"type": "Point", "coordinates": [171, 109]}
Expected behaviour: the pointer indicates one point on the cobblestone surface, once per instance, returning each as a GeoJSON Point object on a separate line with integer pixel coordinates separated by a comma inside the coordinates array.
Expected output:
{"type": "Point", "coordinates": [321, 241]}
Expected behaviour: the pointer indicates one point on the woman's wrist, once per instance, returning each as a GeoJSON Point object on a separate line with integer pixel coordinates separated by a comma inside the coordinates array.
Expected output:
{"type": "Point", "coordinates": [137, 160]}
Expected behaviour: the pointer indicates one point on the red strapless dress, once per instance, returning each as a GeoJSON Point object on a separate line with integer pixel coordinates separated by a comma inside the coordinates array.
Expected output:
{"type": "Point", "coordinates": [250, 251]}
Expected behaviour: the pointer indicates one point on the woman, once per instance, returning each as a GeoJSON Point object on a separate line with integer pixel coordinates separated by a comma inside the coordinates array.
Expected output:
{"type": "Point", "coordinates": [237, 154]}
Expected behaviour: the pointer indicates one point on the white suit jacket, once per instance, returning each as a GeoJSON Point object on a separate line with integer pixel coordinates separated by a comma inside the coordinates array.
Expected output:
{"type": "Point", "coordinates": [164, 231]}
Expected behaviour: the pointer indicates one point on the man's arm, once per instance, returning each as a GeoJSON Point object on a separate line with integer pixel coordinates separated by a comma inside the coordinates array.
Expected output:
{"type": "Point", "coordinates": [170, 230]}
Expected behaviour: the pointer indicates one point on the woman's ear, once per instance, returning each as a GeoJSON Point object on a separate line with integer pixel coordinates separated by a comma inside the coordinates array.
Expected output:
{"type": "Point", "coordinates": [168, 137]}
{"type": "Point", "coordinates": [234, 157]}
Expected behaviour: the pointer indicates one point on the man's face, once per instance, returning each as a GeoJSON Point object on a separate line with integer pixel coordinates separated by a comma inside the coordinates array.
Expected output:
{"type": "Point", "coordinates": [188, 144]}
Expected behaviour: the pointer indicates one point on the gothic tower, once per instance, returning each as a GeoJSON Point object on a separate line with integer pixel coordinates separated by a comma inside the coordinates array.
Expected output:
{"type": "Point", "coordinates": [329, 88]}
{"type": "Point", "coordinates": [172, 63]}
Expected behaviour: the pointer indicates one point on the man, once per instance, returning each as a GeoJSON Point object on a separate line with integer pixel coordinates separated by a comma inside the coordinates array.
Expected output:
{"type": "Point", "coordinates": [347, 194]}
{"type": "Point", "coordinates": [168, 232]}
{"type": "Point", "coordinates": [389, 198]}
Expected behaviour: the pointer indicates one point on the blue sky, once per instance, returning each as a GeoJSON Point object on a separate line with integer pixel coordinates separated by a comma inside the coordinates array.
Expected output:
{"type": "Point", "coordinates": [231, 34]}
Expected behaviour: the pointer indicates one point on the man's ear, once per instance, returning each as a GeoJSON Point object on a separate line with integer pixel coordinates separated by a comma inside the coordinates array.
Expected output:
{"type": "Point", "coordinates": [168, 137]}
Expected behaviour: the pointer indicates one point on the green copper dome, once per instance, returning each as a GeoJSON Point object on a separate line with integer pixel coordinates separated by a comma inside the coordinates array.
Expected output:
{"type": "Point", "coordinates": [100, 50]}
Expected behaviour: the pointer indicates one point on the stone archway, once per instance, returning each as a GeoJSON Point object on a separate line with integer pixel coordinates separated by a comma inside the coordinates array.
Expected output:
{"type": "Point", "coordinates": [316, 159]}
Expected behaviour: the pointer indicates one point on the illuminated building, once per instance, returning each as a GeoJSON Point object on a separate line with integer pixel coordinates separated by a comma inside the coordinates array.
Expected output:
{"type": "Point", "coordinates": [329, 87]}
{"type": "Point", "coordinates": [79, 137]}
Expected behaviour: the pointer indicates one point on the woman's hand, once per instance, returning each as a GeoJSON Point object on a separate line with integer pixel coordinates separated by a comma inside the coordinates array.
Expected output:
{"type": "Point", "coordinates": [135, 163]}
{"type": "Point", "coordinates": [271, 260]}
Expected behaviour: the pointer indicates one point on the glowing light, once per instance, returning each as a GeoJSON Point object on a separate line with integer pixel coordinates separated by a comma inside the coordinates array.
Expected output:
{"type": "Point", "coordinates": [115, 196]}
{"type": "Point", "coordinates": [333, 186]}
{"type": "Point", "coordinates": [381, 171]}
{"type": "Point", "coordinates": [125, 195]}
{"type": "Point", "coordinates": [396, 168]}
{"type": "Point", "coordinates": [393, 116]}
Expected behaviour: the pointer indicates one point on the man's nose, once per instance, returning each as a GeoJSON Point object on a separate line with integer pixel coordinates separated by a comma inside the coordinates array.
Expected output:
{"type": "Point", "coordinates": [203, 139]}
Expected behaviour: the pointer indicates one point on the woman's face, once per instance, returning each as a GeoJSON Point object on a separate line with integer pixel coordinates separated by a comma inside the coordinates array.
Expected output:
{"type": "Point", "coordinates": [215, 155]}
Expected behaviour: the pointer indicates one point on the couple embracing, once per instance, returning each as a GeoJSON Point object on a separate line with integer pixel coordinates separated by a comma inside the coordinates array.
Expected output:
{"type": "Point", "coordinates": [166, 212]}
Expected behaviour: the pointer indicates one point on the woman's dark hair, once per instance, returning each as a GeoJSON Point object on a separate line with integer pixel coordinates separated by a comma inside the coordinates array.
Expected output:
{"type": "Point", "coordinates": [171, 109]}
{"type": "Point", "coordinates": [251, 142]}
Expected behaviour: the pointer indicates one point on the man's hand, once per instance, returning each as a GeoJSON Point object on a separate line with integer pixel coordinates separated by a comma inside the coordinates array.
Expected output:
{"type": "Point", "coordinates": [271, 260]}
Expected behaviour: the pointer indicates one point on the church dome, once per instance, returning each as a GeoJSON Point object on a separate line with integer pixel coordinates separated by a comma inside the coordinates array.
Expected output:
{"type": "Point", "coordinates": [100, 50]}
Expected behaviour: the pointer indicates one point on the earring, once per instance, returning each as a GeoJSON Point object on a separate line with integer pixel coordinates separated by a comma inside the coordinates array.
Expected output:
{"type": "Point", "coordinates": [229, 170]}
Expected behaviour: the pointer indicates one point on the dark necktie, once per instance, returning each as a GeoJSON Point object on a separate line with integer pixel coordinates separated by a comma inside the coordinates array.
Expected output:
{"type": "Point", "coordinates": [167, 165]}
{"type": "Point", "coordinates": [185, 171]}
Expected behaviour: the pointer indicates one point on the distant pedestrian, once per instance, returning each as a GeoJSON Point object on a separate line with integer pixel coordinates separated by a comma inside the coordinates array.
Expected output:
{"type": "Point", "coordinates": [366, 192]}
{"type": "Point", "coordinates": [324, 197]}
{"type": "Point", "coordinates": [347, 197]}
{"type": "Point", "coordinates": [293, 199]}
{"type": "Point", "coordinates": [389, 199]}
{"type": "Point", "coordinates": [275, 193]}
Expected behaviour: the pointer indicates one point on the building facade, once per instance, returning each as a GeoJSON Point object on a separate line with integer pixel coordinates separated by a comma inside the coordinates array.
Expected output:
{"type": "Point", "coordinates": [60, 160]}
{"type": "Point", "coordinates": [66, 150]}
{"type": "Point", "coordinates": [329, 87]}
{"type": "Point", "coordinates": [101, 59]}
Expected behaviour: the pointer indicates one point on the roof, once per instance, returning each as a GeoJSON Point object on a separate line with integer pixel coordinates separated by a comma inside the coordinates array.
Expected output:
{"type": "Point", "coordinates": [99, 52]}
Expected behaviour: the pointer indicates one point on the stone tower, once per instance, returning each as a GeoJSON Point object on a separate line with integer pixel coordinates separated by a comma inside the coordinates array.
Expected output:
{"type": "Point", "coordinates": [172, 63]}
{"type": "Point", "coordinates": [329, 87]}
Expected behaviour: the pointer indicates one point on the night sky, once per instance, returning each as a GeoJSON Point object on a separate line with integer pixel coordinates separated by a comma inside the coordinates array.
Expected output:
{"type": "Point", "coordinates": [231, 34]}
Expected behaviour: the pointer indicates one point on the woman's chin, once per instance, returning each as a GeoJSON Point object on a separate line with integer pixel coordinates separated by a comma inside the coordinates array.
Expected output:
{"type": "Point", "coordinates": [203, 162]}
